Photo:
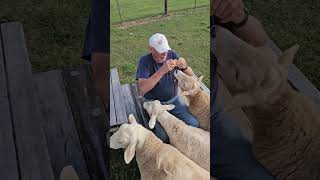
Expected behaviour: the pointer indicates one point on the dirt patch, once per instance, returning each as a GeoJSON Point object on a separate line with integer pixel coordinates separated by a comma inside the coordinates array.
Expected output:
{"type": "Point", "coordinates": [152, 19]}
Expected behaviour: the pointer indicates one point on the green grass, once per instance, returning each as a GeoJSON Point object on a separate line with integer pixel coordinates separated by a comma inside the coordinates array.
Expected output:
{"type": "Point", "coordinates": [293, 22]}
{"type": "Point", "coordinates": [188, 34]}
{"type": "Point", "coordinates": [137, 9]}
{"type": "Point", "coordinates": [54, 30]}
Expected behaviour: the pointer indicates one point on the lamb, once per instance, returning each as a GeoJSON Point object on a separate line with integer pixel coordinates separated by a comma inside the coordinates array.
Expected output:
{"type": "Point", "coordinates": [191, 141]}
{"type": "Point", "coordinates": [156, 160]}
{"type": "Point", "coordinates": [199, 101]}
{"type": "Point", "coordinates": [285, 123]}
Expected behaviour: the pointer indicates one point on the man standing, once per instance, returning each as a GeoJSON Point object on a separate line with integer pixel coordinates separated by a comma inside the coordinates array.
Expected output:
{"type": "Point", "coordinates": [156, 81]}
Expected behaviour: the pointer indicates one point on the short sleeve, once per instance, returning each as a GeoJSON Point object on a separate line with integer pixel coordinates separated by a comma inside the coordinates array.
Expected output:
{"type": "Point", "coordinates": [142, 71]}
{"type": "Point", "coordinates": [97, 35]}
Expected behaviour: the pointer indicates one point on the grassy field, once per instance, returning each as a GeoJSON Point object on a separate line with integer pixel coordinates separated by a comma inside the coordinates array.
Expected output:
{"type": "Point", "coordinates": [293, 22]}
{"type": "Point", "coordinates": [54, 30]}
{"type": "Point", "coordinates": [130, 10]}
{"type": "Point", "coordinates": [188, 34]}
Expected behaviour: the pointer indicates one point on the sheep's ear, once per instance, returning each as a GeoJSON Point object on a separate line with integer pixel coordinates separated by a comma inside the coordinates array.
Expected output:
{"type": "Point", "coordinates": [287, 57]}
{"type": "Point", "coordinates": [132, 119]}
{"type": "Point", "coordinates": [200, 79]}
{"type": "Point", "coordinates": [129, 152]}
{"type": "Point", "coordinates": [69, 173]}
{"type": "Point", "coordinates": [244, 99]}
{"type": "Point", "coordinates": [169, 107]}
{"type": "Point", "coordinates": [152, 121]}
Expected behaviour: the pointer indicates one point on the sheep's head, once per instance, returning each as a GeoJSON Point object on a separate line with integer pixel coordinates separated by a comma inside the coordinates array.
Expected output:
{"type": "Point", "coordinates": [129, 136]}
{"type": "Point", "coordinates": [189, 85]}
{"type": "Point", "coordinates": [254, 75]}
{"type": "Point", "coordinates": [155, 108]}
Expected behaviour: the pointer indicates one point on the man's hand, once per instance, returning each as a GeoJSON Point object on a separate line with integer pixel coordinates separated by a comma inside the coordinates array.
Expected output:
{"type": "Point", "coordinates": [167, 66]}
{"type": "Point", "coordinates": [181, 63]}
{"type": "Point", "coordinates": [229, 10]}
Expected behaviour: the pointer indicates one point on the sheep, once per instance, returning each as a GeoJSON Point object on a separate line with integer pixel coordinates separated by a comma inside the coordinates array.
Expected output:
{"type": "Point", "coordinates": [191, 141]}
{"type": "Point", "coordinates": [199, 101]}
{"type": "Point", "coordinates": [285, 123]}
{"type": "Point", "coordinates": [156, 160]}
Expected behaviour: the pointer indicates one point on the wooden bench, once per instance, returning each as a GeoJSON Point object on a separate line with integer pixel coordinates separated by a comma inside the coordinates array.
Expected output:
{"type": "Point", "coordinates": [49, 120]}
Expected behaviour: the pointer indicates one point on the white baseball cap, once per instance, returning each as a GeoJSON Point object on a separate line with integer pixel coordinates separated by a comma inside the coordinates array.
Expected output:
{"type": "Point", "coordinates": [159, 42]}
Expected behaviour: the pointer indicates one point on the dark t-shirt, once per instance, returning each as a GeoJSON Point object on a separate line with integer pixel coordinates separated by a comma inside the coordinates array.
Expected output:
{"type": "Point", "coordinates": [167, 87]}
{"type": "Point", "coordinates": [97, 33]}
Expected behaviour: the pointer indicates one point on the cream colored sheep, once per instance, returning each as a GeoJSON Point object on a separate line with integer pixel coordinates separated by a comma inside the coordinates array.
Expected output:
{"type": "Point", "coordinates": [191, 141]}
{"type": "Point", "coordinates": [286, 125]}
{"type": "Point", "coordinates": [156, 160]}
{"type": "Point", "coordinates": [199, 101]}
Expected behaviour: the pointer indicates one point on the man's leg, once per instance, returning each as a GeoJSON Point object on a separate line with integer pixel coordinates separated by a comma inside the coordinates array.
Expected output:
{"type": "Point", "coordinates": [231, 154]}
{"type": "Point", "coordinates": [160, 133]}
{"type": "Point", "coordinates": [182, 112]}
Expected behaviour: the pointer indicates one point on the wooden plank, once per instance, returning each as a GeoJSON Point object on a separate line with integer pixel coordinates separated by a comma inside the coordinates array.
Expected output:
{"type": "Point", "coordinates": [8, 158]}
{"type": "Point", "coordinates": [91, 120]}
{"type": "Point", "coordinates": [238, 116]}
{"type": "Point", "coordinates": [142, 114]}
{"type": "Point", "coordinates": [117, 97]}
{"type": "Point", "coordinates": [297, 79]}
{"type": "Point", "coordinates": [128, 100]}
{"type": "Point", "coordinates": [59, 126]}
{"type": "Point", "coordinates": [113, 118]}
{"type": "Point", "coordinates": [32, 152]}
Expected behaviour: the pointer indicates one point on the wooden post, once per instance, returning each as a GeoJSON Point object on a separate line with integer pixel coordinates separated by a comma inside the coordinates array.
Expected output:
{"type": "Point", "coordinates": [165, 7]}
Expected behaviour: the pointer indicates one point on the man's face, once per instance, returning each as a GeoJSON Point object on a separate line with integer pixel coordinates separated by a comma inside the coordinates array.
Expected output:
{"type": "Point", "coordinates": [158, 57]}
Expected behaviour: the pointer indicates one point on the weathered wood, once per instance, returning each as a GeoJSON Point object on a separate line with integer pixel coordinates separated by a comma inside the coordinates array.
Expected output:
{"type": "Point", "coordinates": [128, 100]}
{"type": "Point", "coordinates": [142, 114]}
{"type": "Point", "coordinates": [113, 118]}
{"type": "Point", "coordinates": [91, 120]}
{"type": "Point", "coordinates": [32, 152]}
{"type": "Point", "coordinates": [297, 79]}
{"type": "Point", "coordinates": [8, 159]}
{"type": "Point", "coordinates": [59, 127]}
{"type": "Point", "coordinates": [117, 97]}
{"type": "Point", "coordinates": [238, 116]}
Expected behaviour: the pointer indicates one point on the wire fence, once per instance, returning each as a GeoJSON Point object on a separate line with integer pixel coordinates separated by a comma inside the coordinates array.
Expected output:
{"type": "Point", "coordinates": [127, 10]}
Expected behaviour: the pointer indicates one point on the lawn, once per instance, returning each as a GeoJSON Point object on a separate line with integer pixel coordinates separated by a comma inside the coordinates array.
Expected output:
{"type": "Point", "coordinates": [137, 9]}
{"type": "Point", "coordinates": [188, 34]}
{"type": "Point", "coordinates": [293, 22]}
{"type": "Point", "coordinates": [54, 30]}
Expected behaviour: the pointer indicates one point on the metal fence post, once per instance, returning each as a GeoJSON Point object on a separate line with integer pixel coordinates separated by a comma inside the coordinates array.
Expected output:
{"type": "Point", "coordinates": [165, 7]}
{"type": "Point", "coordinates": [119, 11]}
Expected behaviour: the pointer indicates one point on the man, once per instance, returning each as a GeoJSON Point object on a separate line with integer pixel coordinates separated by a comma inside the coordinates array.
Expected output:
{"type": "Point", "coordinates": [231, 154]}
{"type": "Point", "coordinates": [156, 81]}
{"type": "Point", "coordinates": [96, 47]}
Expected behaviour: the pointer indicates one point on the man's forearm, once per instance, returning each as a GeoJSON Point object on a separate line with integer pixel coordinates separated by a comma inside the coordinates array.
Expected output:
{"type": "Point", "coordinates": [252, 32]}
{"type": "Point", "coordinates": [99, 66]}
{"type": "Point", "coordinates": [188, 71]}
{"type": "Point", "coordinates": [145, 85]}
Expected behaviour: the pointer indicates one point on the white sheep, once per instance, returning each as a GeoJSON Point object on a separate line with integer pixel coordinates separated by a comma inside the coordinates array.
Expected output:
{"type": "Point", "coordinates": [285, 123]}
{"type": "Point", "coordinates": [199, 100]}
{"type": "Point", "coordinates": [191, 141]}
{"type": "Point", "coordinates": [156, 160]}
